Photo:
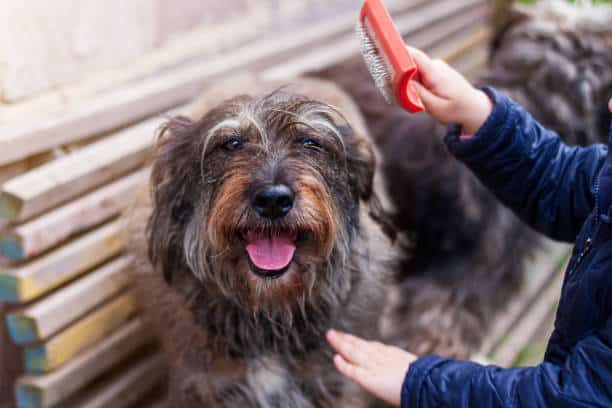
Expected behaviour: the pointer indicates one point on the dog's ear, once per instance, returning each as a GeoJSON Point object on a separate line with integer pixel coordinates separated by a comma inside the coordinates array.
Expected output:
{"type": "Point", "coordinates": [169, 183]}
{"type": "Point", "coordinates": [361, 162]}
{"type": "Point", "coordinates": [362, 166]}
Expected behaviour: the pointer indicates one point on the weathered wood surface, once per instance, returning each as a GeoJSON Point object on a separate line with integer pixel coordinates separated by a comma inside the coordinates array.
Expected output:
{"type": "Point", "coordinates": [148, 96]}
{"type": "Point", "coordinates": [40, 234]}
{"type": "Point", "coordinates": [540, 272]}
{"type": "Point", "coordinates": [36, 391]}
{"type": "Point", "coordinates": [28, 282]}
{"type": "Point", "coordinates": [51, 314]}
{"type": "Point", "coordinates": [321, 44]}
{"type": "Point", "coordinates": [12, 170]}
{"type": "Point", "coordinates": [47, 45]}
{"type": "Point", "coordinates": [126, 389]}
{"type": "Point", "coordinates": [426, 20]}
{"type": "Point", "coordinates": [507, 352]}
{"type": "Point", "coordinates": [85, 333]}
{"type": "Point", "coordinates": [10, 361]}
{"type": "Point", "coordinates": [60, 180]}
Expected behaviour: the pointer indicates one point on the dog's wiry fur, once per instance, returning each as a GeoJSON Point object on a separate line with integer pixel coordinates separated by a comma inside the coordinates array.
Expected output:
{"type": "Point", "coordinates": [233, 338]}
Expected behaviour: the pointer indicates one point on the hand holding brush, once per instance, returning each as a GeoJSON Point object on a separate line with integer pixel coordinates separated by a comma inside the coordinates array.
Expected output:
{"type": "Point", "coordinates": [408, 77]}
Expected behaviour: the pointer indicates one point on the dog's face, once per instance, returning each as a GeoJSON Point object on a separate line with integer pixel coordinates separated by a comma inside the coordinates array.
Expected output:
{"type": "Point", "coordinates": [259, 199]}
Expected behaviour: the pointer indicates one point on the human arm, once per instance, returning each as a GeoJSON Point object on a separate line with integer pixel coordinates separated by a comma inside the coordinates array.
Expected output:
{"type": "Point", "coordinates": [396, 376]}
{"type": "Point", "coordinates": [550, 185]}
{"type": "Point", "coordinates": [582, 381]}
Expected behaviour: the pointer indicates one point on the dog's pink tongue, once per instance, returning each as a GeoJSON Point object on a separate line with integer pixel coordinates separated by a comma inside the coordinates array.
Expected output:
{"type": "Point", "coordinates": [270, 252]}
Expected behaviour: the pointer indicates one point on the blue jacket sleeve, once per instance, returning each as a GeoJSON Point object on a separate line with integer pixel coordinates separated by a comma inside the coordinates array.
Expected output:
{"type": "Point", "coordinates": [584, 380]}
{"type": "Point", "coordinates": [548, 184]}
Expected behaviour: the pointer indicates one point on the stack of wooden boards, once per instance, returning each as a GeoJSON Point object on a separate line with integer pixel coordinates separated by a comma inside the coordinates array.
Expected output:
{"type": "Point", "coordinates": [66, 179]}
{"type": "Point", "coordinates": [518, 337]}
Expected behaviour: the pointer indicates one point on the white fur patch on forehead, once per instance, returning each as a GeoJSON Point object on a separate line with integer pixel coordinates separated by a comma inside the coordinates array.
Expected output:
{"type": "Point", "coordinates": [318, 116]}
{"type": "Point", "coordinates": [230, 123]}
{"type": "Point", "coordinates": [245, 117]}
{"type": "Point", "coordinates": [248, 116]}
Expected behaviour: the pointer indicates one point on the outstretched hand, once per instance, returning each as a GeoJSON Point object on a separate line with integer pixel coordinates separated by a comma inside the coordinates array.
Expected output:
{"type": "Point", "coordinates": [378, 368]}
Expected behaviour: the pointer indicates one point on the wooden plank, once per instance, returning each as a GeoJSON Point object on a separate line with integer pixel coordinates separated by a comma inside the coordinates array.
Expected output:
{"type": "Point", "coordinates": [126, 389]}
{"type": "Point", "coordinates": [12, 170]}
{"type": "Point", "coordinates": [463, 43]}
{"type": "Point", "coordinates": [29, 194]}
{"type": "Point", "coordinates": [48, 316]}
{"type": "Point", "coordinates": [26, 283]}
{"type": "Point", "coordinates": [472, 50]}
{"type": "Point", "coordinates": [143, 98]}
{"type": "Point", "coordinates": [540, 271]}
{"type": "Point", "coordinates": [472, 54]}
{"type": "Point", "coordinates": [507, 352]}
{"type": "Point", "coordinates": [37, 236]}
{"type": "Point", "coordinates": [10, 362]}
{"type": "Point", "coordinates": [60, 180]}
{"type": "Point", "coordinates": [57, 60]}
{"type": "Point", "coordinates": [79, 336]}
{"type": "Point", "coordinates": [36, 391]}
{"type": "Point", "coordinates": [533, 353]}
{"type": "Point", "coordinates": [410, 24]}
{"type": "Point", "coordinates": [446, 31]}
{"type": "Point", "coordinates": [473, 62]}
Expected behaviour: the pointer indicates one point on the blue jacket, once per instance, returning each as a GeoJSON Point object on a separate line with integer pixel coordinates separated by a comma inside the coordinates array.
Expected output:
{"type": "Point", "coordinates": [564, 192]}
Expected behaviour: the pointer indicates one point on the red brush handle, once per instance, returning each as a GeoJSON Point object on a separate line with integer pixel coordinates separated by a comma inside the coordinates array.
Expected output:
{"type": "Point", "coordinates": [387, 38]}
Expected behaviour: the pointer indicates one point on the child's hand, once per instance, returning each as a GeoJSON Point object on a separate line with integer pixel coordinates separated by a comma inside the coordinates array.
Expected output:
{"type": "Point", "coordinates": [610, 105]}
{"type": "Point", "coordinates": [448, 96]}
{"type": "Point", "coordinates": [378, 368]}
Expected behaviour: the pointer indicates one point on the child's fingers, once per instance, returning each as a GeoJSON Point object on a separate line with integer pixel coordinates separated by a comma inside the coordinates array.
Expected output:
{"type": "Point", "coordinates": [421, 59]}
{"type": "Point", "coordinates": [433, 104]}
{"type": "Point", "coordinates": [348, 346]}
{"type": "Point", "coordinates": [424, 65]}
{"type": "Point", "coordinates": [355, 342]}
{"type": "Point", "coordinates": [350, 371]}
{"type": "Point", "coordinates": [610, 105]}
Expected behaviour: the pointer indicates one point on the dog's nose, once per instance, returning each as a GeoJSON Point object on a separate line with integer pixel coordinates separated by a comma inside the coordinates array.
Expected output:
{"type": "Point", "coordinates": [273, 202]}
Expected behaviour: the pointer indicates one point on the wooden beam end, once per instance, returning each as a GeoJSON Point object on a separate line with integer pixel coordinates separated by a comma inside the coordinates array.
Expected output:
{"type": "Point", "coordinates": [11, 247]}
{"type": "Point", "coordinates": [22, 329]}
{"type": "Point", "coordinates": [10, 288]}
{"type": "Point", "coordinates": [35, 359]}
{"type": "Point", "coordinates": [28, 396]}
{"type": "Point", "coordinates": [10, 206]}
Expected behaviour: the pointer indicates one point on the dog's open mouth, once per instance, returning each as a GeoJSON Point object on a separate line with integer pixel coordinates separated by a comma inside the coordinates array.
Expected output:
{"type": "Point", "coordinates": [270, 253]}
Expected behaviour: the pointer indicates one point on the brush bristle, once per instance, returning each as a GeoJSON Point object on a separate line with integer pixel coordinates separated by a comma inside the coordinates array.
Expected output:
{"type": "Point", "coordinates": [375, 63]}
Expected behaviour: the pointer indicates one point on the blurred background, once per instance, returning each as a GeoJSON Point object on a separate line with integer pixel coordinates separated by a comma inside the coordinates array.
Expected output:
{"type": "Point", "coordinates": [82, 87]}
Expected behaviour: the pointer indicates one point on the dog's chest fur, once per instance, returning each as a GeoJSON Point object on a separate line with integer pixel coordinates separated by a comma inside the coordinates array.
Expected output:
{"type": "Point", "coordinates": [201, 377]}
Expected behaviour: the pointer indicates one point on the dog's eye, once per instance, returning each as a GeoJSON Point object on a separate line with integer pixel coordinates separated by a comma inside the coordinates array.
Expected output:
{"type": "Point", "coordinates": [309, 143]}
{"type": "Point", "coordinates": [232, 144]}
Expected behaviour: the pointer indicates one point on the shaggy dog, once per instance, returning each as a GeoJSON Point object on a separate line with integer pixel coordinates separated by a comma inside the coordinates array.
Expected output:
{"type": "Point", "coordinates": [264, 229]}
